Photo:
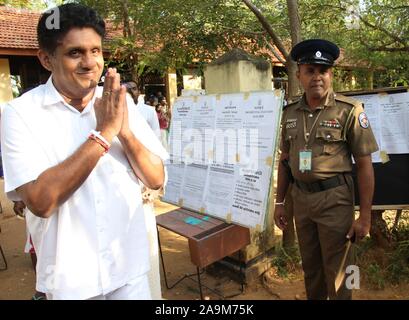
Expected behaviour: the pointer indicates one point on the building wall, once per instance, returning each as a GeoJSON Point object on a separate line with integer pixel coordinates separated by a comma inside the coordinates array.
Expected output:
{"type": "Point", "coordinates": [5, 84]}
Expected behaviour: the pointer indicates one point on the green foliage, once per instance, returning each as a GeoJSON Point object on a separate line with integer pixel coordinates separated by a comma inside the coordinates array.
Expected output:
{"type": "Point", "coordinates": [375, 276]}
{"type": "Point", "coordinates": [176, 34]}
{"type": "Point", "coordinates": [377, 37]}
{"type": "Point", "coordinates": [26, 4]}
{"type": "Point", "coordinates": [286, 261]}
{"type": "Point", "coordinates": [398, 267]}
{"type": "Point", "coordinates": [383, 267]}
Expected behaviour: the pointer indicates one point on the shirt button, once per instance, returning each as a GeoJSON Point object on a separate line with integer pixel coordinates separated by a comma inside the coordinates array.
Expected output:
{"type": "Point", "coordinates": [310, 115]}
{"type": "Point", "coordinates": [307, 134]}
{"type": "Point", "coordinates": [328, 136]}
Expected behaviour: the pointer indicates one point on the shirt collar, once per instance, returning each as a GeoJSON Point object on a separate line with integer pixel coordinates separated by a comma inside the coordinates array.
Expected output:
{"type": "Point", "coordinates": [329, 101]}
{"type": "Point", "coordinates": [52, 97]}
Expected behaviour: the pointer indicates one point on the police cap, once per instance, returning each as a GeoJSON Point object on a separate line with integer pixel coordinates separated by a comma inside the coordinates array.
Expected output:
{"type": "Point", "coordinates": [315, 51]}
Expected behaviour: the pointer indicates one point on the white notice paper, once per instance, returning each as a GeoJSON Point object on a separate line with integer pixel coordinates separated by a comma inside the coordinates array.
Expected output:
{"type": "Point", "coordinates": [395, 122]}
{"type": "Point", "coordinates": [194, 182]}
{"type": "Point", "coordinates": [203, 123]}
{"type": "Point", "coordinates": [219, 190]}
{"type": "Point", "coordinates": [176, 170]}
{"type": "Point", "coordinates": [250, 196]}
{"type": "Point", "coordinates": [180, 145]}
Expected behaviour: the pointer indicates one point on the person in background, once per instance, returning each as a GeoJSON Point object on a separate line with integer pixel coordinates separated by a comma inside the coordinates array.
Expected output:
{"type": "Point", "coordinates": [147, 112]}
{"type": "Point", "coordinates": [149, 196]}
{"type": "Point", "coordinates": [163, 115]}
{"type": "Point", "coordinates": [18, 208]}
{"type": "Point", "coordinates": [153, 100]}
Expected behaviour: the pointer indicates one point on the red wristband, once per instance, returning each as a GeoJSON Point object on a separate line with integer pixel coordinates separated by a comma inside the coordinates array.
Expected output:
{"type": "Point", "coordinates": [102, 143]}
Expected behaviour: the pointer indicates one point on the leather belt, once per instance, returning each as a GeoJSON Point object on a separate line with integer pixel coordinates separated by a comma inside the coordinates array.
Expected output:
{"type": "Point", "coordinates": [322, 185]}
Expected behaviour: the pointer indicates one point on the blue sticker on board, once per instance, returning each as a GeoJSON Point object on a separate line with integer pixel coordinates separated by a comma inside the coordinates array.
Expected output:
{"type": "Point", "coordinates": [193, 221]}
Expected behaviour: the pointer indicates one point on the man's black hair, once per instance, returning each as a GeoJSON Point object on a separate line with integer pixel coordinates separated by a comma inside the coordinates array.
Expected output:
{"type": "Point", "coordinates": [70, 15]}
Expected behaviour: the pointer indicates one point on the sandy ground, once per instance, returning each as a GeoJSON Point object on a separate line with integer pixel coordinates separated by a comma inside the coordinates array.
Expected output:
{"type": "Point", "coordinates": [17, 282]}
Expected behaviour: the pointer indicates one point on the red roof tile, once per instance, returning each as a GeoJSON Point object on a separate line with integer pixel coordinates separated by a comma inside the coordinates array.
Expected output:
{"type": "Point", "coordinates": [18, 28]}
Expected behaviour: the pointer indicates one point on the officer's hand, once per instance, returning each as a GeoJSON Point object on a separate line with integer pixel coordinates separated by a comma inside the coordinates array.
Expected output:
{"type": "Point", "coordinates": [109, 110]}
{"type": "Point", "coordinates": [279, 217]}
{"type": "Point", "coordinates": [19, 207]}
{"type": "Point", "coordinates": [359, 229]}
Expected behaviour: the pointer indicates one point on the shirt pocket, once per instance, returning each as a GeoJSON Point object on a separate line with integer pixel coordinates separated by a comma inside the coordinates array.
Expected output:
{"type": "Point", "coordinates": [290, 138]}
{"type": "Point", "coordinates": [330, 139]}
{"type": "Point", "coordinates": [290, 135]}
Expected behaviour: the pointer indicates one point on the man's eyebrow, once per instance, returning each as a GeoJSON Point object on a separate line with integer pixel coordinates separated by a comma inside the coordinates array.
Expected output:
{"type": "Point", "coordinates": [74, 48]}
{"type": "Point", "coordinates": [80, 48]}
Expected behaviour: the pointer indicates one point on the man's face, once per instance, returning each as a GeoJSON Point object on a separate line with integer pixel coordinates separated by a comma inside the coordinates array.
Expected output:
{"type": "Point", "coordinates": [315, 79]}
{"type": "Point", "coordinates": [77, 63]}
{"type": "Point", "coordinates": [134, 90]}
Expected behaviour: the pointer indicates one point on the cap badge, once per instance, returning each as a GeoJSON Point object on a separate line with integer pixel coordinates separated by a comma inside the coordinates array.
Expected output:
{"type": "Point", "coordinates": [318, 54]}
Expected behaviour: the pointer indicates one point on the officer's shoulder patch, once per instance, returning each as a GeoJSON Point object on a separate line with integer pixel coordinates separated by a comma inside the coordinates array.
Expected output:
{"type": "Point", "coordinates": [363, 120]}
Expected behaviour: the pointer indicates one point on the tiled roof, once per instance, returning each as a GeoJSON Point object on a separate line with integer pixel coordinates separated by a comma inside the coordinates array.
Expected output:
{"type": "Point", "coordinates": [18, 28]}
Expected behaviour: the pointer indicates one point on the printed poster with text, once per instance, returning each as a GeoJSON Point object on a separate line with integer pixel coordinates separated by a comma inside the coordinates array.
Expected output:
{"type": "Point", "coordinates": [222, 154]}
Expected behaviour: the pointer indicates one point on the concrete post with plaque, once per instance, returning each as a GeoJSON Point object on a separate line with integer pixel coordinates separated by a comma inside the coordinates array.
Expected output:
{"type": "Point", "coordinates": [234, 73]}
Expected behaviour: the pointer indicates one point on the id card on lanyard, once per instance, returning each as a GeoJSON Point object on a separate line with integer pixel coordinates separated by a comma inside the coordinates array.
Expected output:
{"type": "Point", "coordinates": [305, 155]}
{"type": "Point", "coordinates": [305, 160]}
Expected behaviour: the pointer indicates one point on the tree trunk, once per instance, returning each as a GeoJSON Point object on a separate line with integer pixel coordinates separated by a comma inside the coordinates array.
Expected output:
{"type": "Point", "coordinates": [267, 26]}
{"type": "Point", "coordinates": [293, 90]}
{"type": "Point", "coordinates": [127, 29]}
{"type": "Point", "coordinates": [295, 30]}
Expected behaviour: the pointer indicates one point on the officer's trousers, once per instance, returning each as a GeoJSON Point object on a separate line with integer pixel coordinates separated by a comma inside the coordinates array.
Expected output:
{"type": "Point", "coordinates": [322, 221]}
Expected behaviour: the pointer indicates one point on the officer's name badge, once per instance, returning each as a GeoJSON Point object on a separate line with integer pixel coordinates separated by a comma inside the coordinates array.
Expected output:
{"type": "Point", "coordinates": [291, 123]}
{"type": "Point", "coordinates": [330, 124]}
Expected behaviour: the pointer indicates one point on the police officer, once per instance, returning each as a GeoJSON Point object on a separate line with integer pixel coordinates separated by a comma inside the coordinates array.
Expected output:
{"type": "Point", "coordinates": [319, 134]}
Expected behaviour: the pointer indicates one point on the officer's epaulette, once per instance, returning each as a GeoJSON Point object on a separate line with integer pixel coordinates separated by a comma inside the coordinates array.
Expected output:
{"type": "Point", "coordinates": [291, 103]}
{"type": "Point", "coordinates": [351, 101]}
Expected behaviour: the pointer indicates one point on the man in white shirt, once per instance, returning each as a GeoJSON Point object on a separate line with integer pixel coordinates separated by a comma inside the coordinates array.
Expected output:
{"type": "Point", "coordinates": [148, 112]}
{"type": "Point", "coordinates": [75, 154]}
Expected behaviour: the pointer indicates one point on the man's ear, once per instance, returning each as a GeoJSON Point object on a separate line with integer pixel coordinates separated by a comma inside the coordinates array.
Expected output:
{"type": "Point", "coordinates": [45, 59]}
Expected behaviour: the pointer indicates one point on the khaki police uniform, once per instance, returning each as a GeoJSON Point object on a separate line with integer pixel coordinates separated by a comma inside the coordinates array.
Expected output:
{"type": "Point", "coordinates": [324, 196]}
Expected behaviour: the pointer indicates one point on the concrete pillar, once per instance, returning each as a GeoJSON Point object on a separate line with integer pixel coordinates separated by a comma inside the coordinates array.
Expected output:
{"type": "Point", "coordinates": [171, 87]}
{"type": "Point", "coordinates": [6, 94]}
{"type": "Point", "coordinates": [237, 72]}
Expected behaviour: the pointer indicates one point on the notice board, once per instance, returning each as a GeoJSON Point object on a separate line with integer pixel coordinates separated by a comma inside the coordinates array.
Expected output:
{"type": "Point", "coordinates": [222, 150]}
{"type": "Point", "coordinates": [388, 113]}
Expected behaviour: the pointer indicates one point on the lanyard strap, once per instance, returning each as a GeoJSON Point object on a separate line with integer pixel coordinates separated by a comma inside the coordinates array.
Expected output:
{"type": "Point", "coordinates": [307, 136]}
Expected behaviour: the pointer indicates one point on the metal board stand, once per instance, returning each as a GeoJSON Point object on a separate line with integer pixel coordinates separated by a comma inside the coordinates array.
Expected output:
{"type": "Point", "coordinates": [4, 258]}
